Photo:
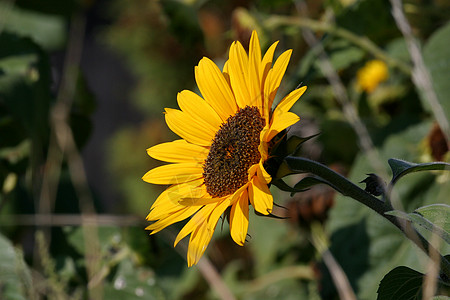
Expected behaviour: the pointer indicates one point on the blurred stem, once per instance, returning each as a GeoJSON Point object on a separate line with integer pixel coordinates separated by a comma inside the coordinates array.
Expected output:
{"type": "Point", "coordinates": [348, 188]}
{"type": "Point", "coordinates": [291, 272]}
{"type": "Point", "coordinates": [420, 74]}
{"type": "Point", "coordinates": [363, 42]}
{"type": "Point", "coordinates": [319, 239]}
{"type": "Point", "coordinates": [64, 140]}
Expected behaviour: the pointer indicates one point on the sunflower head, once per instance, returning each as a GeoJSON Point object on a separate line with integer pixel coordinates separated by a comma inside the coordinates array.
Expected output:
{"type": "Point", "coordinates": [226, 135]}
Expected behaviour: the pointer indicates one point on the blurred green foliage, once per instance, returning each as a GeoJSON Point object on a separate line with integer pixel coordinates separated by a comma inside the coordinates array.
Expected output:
{"type": "Point", "coordinates": [160, 43]}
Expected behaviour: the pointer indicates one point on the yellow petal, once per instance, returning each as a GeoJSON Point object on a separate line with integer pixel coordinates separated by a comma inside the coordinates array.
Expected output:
{"type": "Point", "coordinates": [196, 221]}
{"type": "Point", "coordinates": [287, 102]}
{"type": "Point", "coordinates": [198, 109]}
{"type": "Point", "coordinates": [263, 147]}
{"type": "Point", "coordinates": [262, 173]}
{"type": "Point", "coordinates": [281, 121]}
{"type": "Point", "coordinates": [238, 70]}
{"type": "Point", "coordinates": [254, 78]}
{"type": "Point", "coordinates": [164, 205]}
{"type": "Point", "coordinates": [200, 197]}
{"type": "Point", "coordinates": [266, 63]}
{"type": "Point", "coordinates": [177, 216]}
{"type": "Point", "coordinates": [201, 237]}
{"type": "Point", "coordinates": [275, 75]}
{"type": "Point", "coordinates": [252, 171]}
{"type": "Point", "coordinates": [170, 197]}
{"type": "Point", "coordinates": [226, 73]}
{"type": "Point", "coordinates": [178, 151]}
{"type": "Point", "coordinates": [215, 89]}
{"type": "Point", "coordinates": [260, 196]}
{"type": "Point", "coordinates": [239, 219]}
{"type": "Point", "coordinates": [198, 201]}
{"type": "Point", "coordinates": [218, 211]}
{"type": "Point", "coordinates": [171, 200]}
{"type": "Point", "coordinates": [174, 173]}
{"type": "Point", "coordinates": [197, 244]}
{"type": "Point", "coordinates": [188, 128]}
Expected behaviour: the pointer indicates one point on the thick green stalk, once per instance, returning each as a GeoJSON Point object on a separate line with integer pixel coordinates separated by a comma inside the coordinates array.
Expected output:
{"type": "Point", "coordinates": [347, 188]}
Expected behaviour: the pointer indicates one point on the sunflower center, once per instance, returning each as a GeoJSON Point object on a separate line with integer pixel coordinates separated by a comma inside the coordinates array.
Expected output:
{"type": "Point", "coordinates": [233, 151]}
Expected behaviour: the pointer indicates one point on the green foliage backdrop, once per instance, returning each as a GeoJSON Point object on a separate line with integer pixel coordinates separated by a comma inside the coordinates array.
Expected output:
{"type": "Point", "coordinates": [72, 202]}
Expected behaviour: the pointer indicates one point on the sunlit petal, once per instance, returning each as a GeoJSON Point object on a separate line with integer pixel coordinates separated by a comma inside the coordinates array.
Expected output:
{"type": "Point", "coordinates": [178, 151]}
{"type": "Point", "coordinates": [199, 109]}
{"type": "Point", "coordinates": [260, 196]}
{"type": "Point", "coordinates": [174, 173]}
{"type": "Point", "coordinates": [214, 88]}
{"type": "Point", "coordinates": [239, 219]}
{"type": "Point", "coordinates": [188, 128]}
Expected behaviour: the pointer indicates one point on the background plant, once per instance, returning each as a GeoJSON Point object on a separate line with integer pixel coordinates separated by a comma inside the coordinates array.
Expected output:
{"type": "Point", "coordinates": [82, 89]}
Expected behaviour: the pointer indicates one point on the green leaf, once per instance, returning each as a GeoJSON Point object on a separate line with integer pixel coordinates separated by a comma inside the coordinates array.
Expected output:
{"type": "Point", "coordinates": [15, 277]}
{"type": "Point", "coordinates": [282, 185]}
{"type": "Point", "coordinates": [307, 182]}
{"type": "Point", "coordinates": [294, 142]}
{"type": "Point", "coordinates": [401, 283]}
{"type": "Point", "coordinates": [345, 56]}
{"type": "Point", "coordinates": [438, 214]}
{"type": "Point", "coordinates": [133, 282]}
{"type": "Point", "coordinates": [107, 236]}
{"type": "Point", "coordinates": [386, 247]}
{"type": "Point", "coordinates": [47, 30]}
{"type": "Point", "coordinates": [437, 59]}
{"type": "Point", "coordinates": [401, 168]}
{"type": "Point", "coordinates": [420, 220]}
{"type": "Point", "coordinates": [369, 18]}
{"type": "Point", "coordinates": [25, 85]}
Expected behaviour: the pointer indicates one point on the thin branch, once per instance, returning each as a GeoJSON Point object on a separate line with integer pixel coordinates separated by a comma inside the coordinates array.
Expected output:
{"type": "Point", "coordinates": [363, 42]}
{"type": "Point", "coordinates": [213, 277]}
{"type": "Point", "coordinates": [344, 289]}
{"type": "Point", "coordinates": [58, 220]}
{"type": "Point", "coordinates": [348, 108]}
{"type": "Point", "coordinates": [62, 138]}
{"type": "Point", "coordinates": [320, 241]}
{"type": "Point", "coordinates": [420, 75]}
{"type": "Point", "coordinates": [290, 272]}
{"type": "Point", "coordinates": [206, 268]}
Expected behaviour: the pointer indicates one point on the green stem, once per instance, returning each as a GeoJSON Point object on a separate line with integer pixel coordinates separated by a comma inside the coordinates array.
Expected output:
{"type": "Point", "coordinates": [348, 188]}
{"type": "Point", "coordinates": [363, 42]}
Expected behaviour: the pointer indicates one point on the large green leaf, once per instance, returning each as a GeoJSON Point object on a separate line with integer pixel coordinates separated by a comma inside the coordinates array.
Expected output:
{"type": "Point", "coordinates": [25, 84]}
{"type": "Point", "coordinates": [386, 248]}
{"type": "Point", "coordinates": [47, 30]}
{"type": "Point", "coordinates": [131, 282]}
{"type": "Point", "coordinates": [437, 59]}
{"type": "Point", "coordinates": [401, 168]}
{"type": "Point", "coordinates": [369, 18]}
{"type": "Point", "coordinates": [401, 283]}
{"type": "Point", "coordinates": [405, 283]}
{"type": "Point", "coordinates": [15, 277]}
{"type": "Point", "coordinates": [439, 215]}
{"type": "Point", "coordinates": [106, 237]}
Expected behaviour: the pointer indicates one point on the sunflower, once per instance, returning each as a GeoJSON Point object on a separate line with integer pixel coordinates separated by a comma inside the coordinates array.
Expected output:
{"type": "Point", "coordinates": [371, 75]}
{"type": "Point", "coordinates": [226, 137]}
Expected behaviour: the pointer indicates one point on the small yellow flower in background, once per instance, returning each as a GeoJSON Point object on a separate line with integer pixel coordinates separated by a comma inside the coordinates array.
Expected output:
{"type": "Point", "coordinates": [370, 76]}
{"type": "Point", "coordinates": [219, 162]}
